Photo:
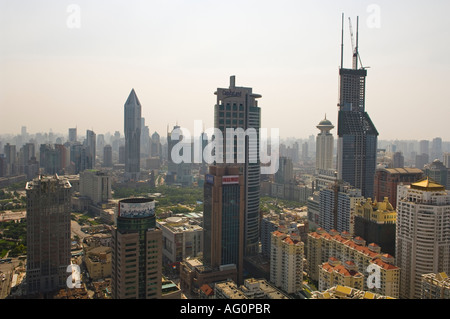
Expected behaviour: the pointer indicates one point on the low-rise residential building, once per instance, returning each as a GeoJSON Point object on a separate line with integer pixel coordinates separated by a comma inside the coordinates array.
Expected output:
{"type": "Point", "coordinates": [334, 272]}
{"type": "Point", "coordinates": [181, 240]}
{"type": "Point", "coordinates": [98, 262]}
{"type": "Point", "coordinates": [435, 286]}
{"type": "Point", "coordinates": [342, 246]}
{"type": "Point", "coordinates": [343, 292]}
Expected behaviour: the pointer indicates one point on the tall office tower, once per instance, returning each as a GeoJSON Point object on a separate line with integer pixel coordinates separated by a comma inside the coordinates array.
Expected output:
{"type": "Point", "coordinates": [72, 135]}
{"type": "Point", "coordinates": [436, 149]}
{"type": "Point", "coordinates": [337, 207]}
{"type": "Point", "coordinates": [132, 137]}
{"type": "Point", "coordinates": [156, 145]}
{"type": "Point", "coordinates": [286, 261]}
{"type": "Point", "coordinates": [90, 144]}
{"type": "Point", "coordinates": [107, 156]}
{"type": "Point", "coordinates": [285, 173]}
{"type": "Point", "coordinates": [375, 222]}
{"type": "Point", "coordinates": [423, 234]}
{"type": "Point", "coordinates": [424, 147]}
{"type": "Point", "coordinates": [223, 218]}
{"type": "Point", "coordinates": [237, 107]}
{"type": "Point", "coordinates": [438, 172]}
{"type": "Point", "coordinates": [387, 179]}
{"type": "Point", "coordinates": [324, 145]}
{"type": "Point", "coordinates": [136, 269]}
{"type": "Point", "coordinates": [357, 135]}
{"type": "Point", "coordinates": [48, 233]}
{"type": "Point", "coordinates": [145, 139]}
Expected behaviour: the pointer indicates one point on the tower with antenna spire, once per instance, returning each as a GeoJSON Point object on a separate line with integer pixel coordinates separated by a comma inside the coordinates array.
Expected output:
{"type": "Point", "coordinates": [357, 135]}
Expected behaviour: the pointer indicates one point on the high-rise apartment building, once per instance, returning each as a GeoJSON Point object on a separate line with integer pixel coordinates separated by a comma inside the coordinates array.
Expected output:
{"type": "Point", "coordinates": [132, 129]}
{"type": "Point", "coordinates": [136, 251]}
{"type": "Point", "coordinates": [223, 218]}
{"type": "Point", "coordinates": [48, 234]}
{"type": "Point", "coordinates": [286, 261]}
{"type": "Point", "coordinates": [237, 108]}
{"type": "Point", "coordinates": [337, 207]}
{"type": "Point", "coordinates": [357, 135]}
{"type": "Point", "coordinates": [423, 234]}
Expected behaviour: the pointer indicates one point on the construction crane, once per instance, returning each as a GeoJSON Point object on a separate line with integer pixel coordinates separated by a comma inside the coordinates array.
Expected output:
{"type": "Point", "coordinates": [356, 56]}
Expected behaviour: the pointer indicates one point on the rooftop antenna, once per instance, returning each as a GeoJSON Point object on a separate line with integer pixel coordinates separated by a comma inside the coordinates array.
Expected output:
{"type": "Point", "coordinates": [342, 42]}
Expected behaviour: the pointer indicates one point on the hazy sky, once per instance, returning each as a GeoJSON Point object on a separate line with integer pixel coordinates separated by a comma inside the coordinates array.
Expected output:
{"type": "Point", "coordinates": [73, 63]}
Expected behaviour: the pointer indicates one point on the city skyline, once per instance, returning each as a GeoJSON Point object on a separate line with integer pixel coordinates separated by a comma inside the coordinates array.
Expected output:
{"type": "Point", "coordinates": [73, 65]}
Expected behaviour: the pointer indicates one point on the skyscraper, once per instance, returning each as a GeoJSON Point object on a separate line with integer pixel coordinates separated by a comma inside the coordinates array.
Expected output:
{"type": "Point", "coordinates": [48, 233]}
{"type": "Point", "coordinates": [132, 136]}
{"type": "Point", "coordinates": [90, 144]}
{"type": "Point", "coordinates": [107, 156]}
{"type": "Point", "coordinates": [237, 107]}
{"type": "Point", "coordinates": [423, 234]}
{"type": "Point", "coordinates": [72, 135]}
{"type": "Point", "coordinates": [136, 269]}
{"type": "Point", "coordinates": [223, 218]}
{"type": "Point", "coordinates": [436, 149]}
{"type": "Point", "coordinates": [357, 135]}
{"type": "Point", "coordinates": [324, 145]}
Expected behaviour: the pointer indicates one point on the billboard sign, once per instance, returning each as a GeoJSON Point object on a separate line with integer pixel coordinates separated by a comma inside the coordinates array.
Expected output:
{"type": "Point", "coordinates": [137, 209]}
{"type": "Point", "coordinates": [231, 179]}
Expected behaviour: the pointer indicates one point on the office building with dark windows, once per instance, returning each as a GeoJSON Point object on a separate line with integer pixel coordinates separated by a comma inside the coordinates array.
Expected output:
{"type": "Point", "coordinates": [237, 108]}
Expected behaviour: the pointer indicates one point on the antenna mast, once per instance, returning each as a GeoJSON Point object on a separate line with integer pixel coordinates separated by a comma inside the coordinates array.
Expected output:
{"type": "Point", "coordinates": [342, 42]}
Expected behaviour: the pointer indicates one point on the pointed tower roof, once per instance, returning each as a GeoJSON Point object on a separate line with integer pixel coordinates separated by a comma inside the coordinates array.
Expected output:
{"type": "Point", "coordinates": [133, 99]}
{"type": "Point", "coordinates": [427, 184]}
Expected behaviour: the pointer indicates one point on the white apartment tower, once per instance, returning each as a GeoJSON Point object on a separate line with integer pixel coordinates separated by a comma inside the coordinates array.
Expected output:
{"type": "Point", "coordinates": [423, 234]}
{"type": "Point", "coordinates": [324, 145]}
{"type": "Point", "coordinates": [286, 266]}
